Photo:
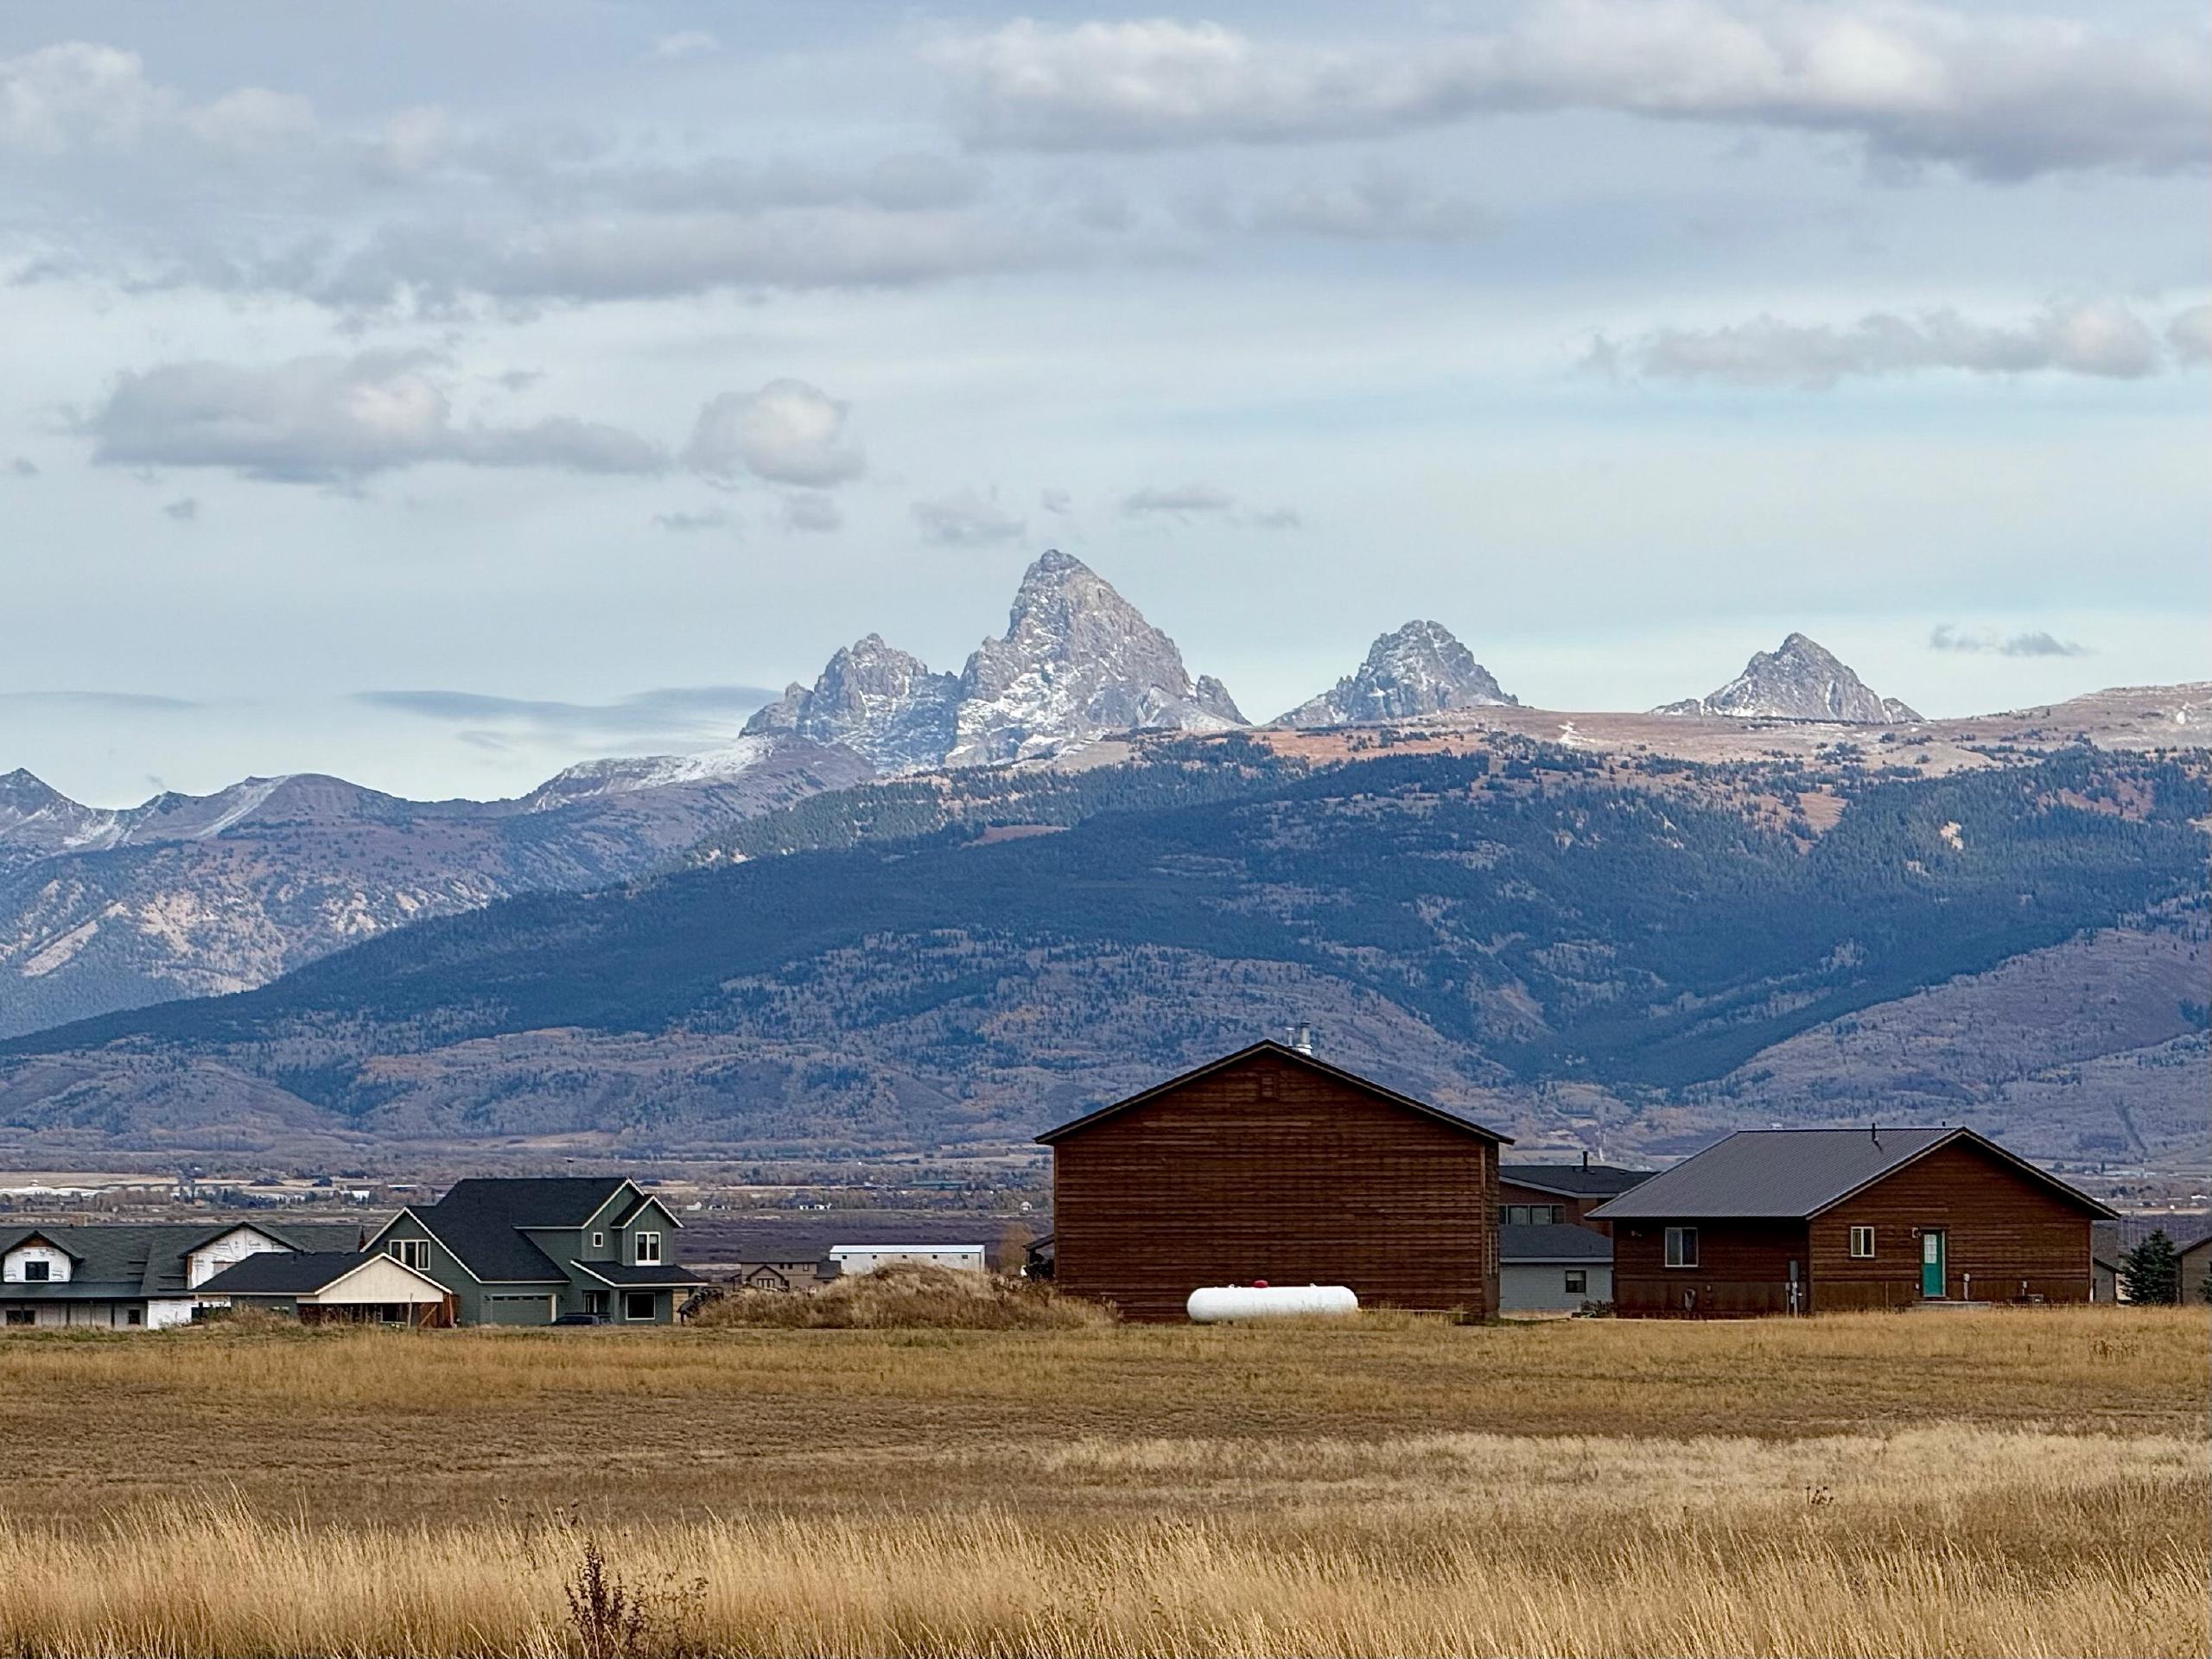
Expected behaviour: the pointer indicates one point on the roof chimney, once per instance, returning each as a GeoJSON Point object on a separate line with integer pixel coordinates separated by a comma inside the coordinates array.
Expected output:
{"type": "Point", "coordinates": [1874, 1133]}
{"type": "Point", "coordinates": [1585, 1157]}
{"type": "Point", "coordinates": [1302, 1039]}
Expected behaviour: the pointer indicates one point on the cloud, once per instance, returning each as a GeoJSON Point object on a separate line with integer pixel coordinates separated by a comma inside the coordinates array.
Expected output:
{"type": "Point", "coordinates": [967, 520]}
{"type": "Point", "coordinates": [686, 43]}
{"type": "Point", "coordinates": [23, 466]}
{"type": "Point", "coordinates": [1056, 501]}
{"type": "Point", "coordinates": [2002, 96]}
{"type": "Point", "coordinates": [184, 509]}
{"type": "Point", "coordinates": [2190, 335]}
{"type": "Point", "coordinates": [813, 512]}
{"type": "Point", "coordinates": [2102, 339]}
{"type": "Point", "coordinates": [1275, 518]}
{"type": "Point", "coordinates": [83, 95]}
{"type": "Point", "coordinates": [1182, 500]}
{"type": "Point", "coordinates": [691, 522]}
{"type": "Point", "coordinates": [1378, 205]}
{"type": "Point", "coordinates": [109, 702]}
{"type": "Point", "coordinates": [1945, 637]}
{"type": "Point", "coordinates": [322, 419]}
{"type": "Point", "coordinates": [788, 432]}
{"type": "Point", "coordinates": [675, 714]}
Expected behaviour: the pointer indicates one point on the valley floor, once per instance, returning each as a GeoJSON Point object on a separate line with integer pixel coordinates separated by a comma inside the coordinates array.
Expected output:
{"type": "Point", "coordinates": [2030, 1482]}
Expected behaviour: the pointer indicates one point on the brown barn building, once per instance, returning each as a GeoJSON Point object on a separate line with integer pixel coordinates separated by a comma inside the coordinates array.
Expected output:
{"type": "Point", "coordinates": [1269, 1164]}
{"type": "Point", "coordinates": [1822, 1221]}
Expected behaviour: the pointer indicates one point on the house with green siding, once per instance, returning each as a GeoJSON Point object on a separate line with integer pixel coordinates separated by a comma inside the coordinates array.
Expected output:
{"type": "Point", "coordinates": [528, 1250]}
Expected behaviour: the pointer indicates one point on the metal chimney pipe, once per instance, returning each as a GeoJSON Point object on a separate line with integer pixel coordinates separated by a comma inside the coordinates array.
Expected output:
{"type": "Point", "coordinates": [1303, 1042]}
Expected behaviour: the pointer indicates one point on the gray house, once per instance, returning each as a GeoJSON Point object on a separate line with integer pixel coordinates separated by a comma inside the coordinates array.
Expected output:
{"type": "Point", "coordinates": [1551, 1268]}
{"type": "Point", "coordinates": [138, 1277]}
{"type": "Point", "coordinates": [529, 1250]}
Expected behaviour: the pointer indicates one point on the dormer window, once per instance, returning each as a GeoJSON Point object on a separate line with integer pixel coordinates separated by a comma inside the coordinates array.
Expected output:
{"type": "Point", "coordinates": [648, 1249]}
{"type": "Point", "coordinates": [36, 1272]}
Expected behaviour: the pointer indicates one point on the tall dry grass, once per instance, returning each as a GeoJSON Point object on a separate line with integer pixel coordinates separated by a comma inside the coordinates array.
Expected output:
{"type": "Point", "coordinates": [2018, 1483]}
{"type": "Point", "coordinates": [908, 1296]}
{"type": "Point", "coordinates": [1941, 1541]}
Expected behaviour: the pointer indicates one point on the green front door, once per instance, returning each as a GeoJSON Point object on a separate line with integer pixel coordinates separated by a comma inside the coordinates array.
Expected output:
{"type": "Point", "coordinates": [1931, 1262]}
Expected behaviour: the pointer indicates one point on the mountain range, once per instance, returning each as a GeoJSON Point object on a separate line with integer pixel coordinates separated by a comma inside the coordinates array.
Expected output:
{"type": "Point", "coordinates": [1081, 714]}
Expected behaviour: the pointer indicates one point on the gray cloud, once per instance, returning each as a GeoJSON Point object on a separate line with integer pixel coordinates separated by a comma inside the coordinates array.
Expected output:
{"type": "Point", "coordinates": [1377, 205]}
{"type": "Point", "coordinates": [101, 702]}
{"type": "Point", "coordinates": [2003, 97]}
{"type": "Point", "coordinates": [967, 520]}
{"type": "Point", "coordinates": [1182, 500]}
{"type": "Point", "coordinates": [788, 432]}
{"type": "Point", "coordinates": [813, 512]}
{"type": "Point", "coordinates": [321, 419]}
{"type": "Point", "coordinates": [691, 522]}
{"type": "Point", "coordinates": [23, 466]}
{"type": "Point", "coordinates": [2190, 335]}
{"type": "Point", "coordinates": [675, 713]}
{"type": "Point", "coordinates": [1945, 637]}
{"type": "Point", "coordinates": [1275, 518]}
{"type": "Point", "coordinates": [2102, 339]}
{"type": "Point", "coordinates": [184, 509]}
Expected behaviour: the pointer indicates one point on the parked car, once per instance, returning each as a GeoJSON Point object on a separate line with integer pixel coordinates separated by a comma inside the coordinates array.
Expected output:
{"type": "Point", "coordinates": [580, 1319]}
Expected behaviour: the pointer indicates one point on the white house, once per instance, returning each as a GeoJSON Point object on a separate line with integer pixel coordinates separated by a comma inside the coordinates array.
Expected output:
{"type": "Point", "coordinates": [1553, 1269]}
{"type": "Point", "coordinates": [866, 1258]}
{"type": "Point", "coordinates": [134, 1277]}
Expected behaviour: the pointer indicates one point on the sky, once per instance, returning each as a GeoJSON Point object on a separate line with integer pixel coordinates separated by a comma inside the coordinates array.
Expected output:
{"type": "Point", "coordinates": [419, 395]}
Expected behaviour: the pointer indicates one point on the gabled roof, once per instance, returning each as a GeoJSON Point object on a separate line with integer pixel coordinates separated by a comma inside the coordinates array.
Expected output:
{"type": "Point", "coordinates": [480, 1220]}
{"type": "Point", "coordinates": [148, 1259]}
{"type": "Point", "coordinates": [1574, 1180]}
{"type": "Point", "coordinates": [1563, 1242]}
{"type": "Point", "coordinates": [300, 1272]}
{"type": "Point", "coordinates": [1282, 1052]}
{"type": "Point", "coordinates": [1794, 1174]}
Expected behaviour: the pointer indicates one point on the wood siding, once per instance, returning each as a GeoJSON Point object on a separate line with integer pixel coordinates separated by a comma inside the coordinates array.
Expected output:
{"type": "Point", "coordinates": [1270, 1170]}
{"type": "Point", "coordinates": [1574, 1208]}
{"type": "Point", "coordinates": [1743, 1269]}
{"type": "Point", "coordinates": [2014, 1236]}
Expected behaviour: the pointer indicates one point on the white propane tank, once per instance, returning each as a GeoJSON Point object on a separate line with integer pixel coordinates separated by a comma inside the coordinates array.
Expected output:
{"type": "Point", "coordinates": [1212, 1304]}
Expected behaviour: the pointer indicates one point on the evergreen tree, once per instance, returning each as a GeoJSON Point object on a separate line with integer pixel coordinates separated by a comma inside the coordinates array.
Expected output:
{"type": "Point", "coordinates": [2151, 1273]}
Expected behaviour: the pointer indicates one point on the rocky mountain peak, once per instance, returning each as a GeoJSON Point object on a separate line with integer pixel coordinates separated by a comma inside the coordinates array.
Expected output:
{"type": "Point", "coordinates": [1800, 680]}
{"type": "Point", "coordinates": [1419, 669]}
{"type": "Point", "coordinates": [878, 700]}
{"type": "Point", "coordinates": [1078, 661]}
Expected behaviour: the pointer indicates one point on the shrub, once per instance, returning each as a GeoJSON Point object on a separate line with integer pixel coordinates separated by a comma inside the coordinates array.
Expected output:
{"type": "Point", "coordinates": [909, 1295]}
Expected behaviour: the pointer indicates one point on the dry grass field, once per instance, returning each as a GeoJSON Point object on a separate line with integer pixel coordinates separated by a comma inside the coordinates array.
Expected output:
{"type": "Point", "coordinates": [2007, 1483]}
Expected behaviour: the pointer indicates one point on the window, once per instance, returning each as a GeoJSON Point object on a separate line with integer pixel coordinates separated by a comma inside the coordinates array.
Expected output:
{"type": "Point", "coordinates": [37, 1273]}
{"type": "Point", "coordinates": [134, 1316]}
{"type": "Point", "coordinates": [1682, 1247]}
{"type": "Point", "coordinates": [595, 1302]}
{"type": "Point", "coordinates": [20, 1315]}
{"type": "Point", "coordinates": [648, 1249]}
{"type": "Point", "coordinates": [1578, 1282]}
{"type": "Point", "coordinates": [1862, 1241]}
{"type": "Point", "coordinates": [1533, 1215]}
{"type": "Point", "coordinates": [412, 1253]}
{"type": "Point", "coordinates": [638, 1304]}
{"type": "Point", "coordinates": [599, 1241]}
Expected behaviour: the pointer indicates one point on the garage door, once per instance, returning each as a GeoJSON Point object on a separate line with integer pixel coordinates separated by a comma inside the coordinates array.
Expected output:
{"type": "Point", "coordinates": [519, 1310]}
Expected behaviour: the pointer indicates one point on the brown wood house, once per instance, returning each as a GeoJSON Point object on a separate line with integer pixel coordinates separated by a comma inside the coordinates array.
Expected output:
{"type": "Point", "coordinates": [1823, 1221]}
{"type": "Point", "coordinates": [1537, 1195]}
{"type": "Point", "coordinates": [1271, 1164]}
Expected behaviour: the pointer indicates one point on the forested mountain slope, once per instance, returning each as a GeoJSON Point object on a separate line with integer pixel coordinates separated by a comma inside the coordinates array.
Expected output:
{"type": "Point", "coordinates": [1558, 939]}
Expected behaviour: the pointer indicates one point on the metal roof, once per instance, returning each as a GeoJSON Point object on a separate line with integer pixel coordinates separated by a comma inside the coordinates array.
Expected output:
{"type": "Point", "coordinates": [1791, 1174]}
{"type": "Point", "coordinates": [1574, 1180]}
{"type": "Point", "coordinates": [1562, 1241]}
{"type": "Point", "coordinates": [1282, 1052]}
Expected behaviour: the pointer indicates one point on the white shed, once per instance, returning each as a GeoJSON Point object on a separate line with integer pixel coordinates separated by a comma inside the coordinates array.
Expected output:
{"type": "Point", "coordinates": [866, 1258]}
